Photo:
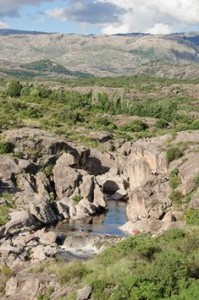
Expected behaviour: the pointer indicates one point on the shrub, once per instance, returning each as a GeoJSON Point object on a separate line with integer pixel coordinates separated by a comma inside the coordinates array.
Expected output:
{"type": "Point", "coordinates": [4, 214]}
{"type": "Point", "coordinates": [162, 124]}
{"type": "Point", "coordinates": [48, 170]}
{"type": "Point", "coordinates": [174, 179]}
{"type": "Point", "coordinates": [173, 153]}
{"type": "Point", "coordinates": [6, 147]}
{"type": "Point", "coordinates": [77, 198]}
{"type": "Point", "coordinates": [14, 88]}
{"type": "Point", "coordinates": [195, 125]}
{"type": "Point", "coordinates": [99, 287]}
{"type": "Point", "coordinates": [169, 273]}
{"type": "Point", "coordinates": [192, 217]}
{"type": "Point", "coordinates": [103, 121]}
{"type": "Point", "coordinates": [176, 197]}
{"type": "Point", "coordinates": [134, 126]}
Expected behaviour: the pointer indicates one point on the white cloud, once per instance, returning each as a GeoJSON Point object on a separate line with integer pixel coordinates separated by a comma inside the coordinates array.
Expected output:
{"type": "Point", "coordinates": [160, 28]}
{"type": "Point", "coordinates": [155, 16]}
{"type": "Point", "coordinates": [57, 13]}
{"type": "Point", "coordinates": [114, 16]}
{"type": "Point", "coordinates": [3, 25]}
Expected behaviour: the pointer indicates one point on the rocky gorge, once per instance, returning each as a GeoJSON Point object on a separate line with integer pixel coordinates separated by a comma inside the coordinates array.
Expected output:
{"type": "Point", "coordinates": [45, 179]}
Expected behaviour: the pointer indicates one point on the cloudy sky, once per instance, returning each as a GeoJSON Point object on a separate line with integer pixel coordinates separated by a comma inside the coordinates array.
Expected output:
{"type": "Point", "coordinates": [101, 16]}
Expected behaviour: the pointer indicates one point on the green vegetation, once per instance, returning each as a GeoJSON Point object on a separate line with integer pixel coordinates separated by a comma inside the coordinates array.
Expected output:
{"type": "Point", "coordinates": [51, 67]}
{"type": "Point", "coordinates": [192, 217]}
{"type": "Point", "coordinates": [5, 274]}
{"type": "Point", "coordinates": [139, 267]}
{"type": "Point", "coordinates": [6, 147]}
{"type": "Point", "coordinates": [176, 197]}
{"type": "Point", "coordinates": [14, 88]}
{"type": "Point", "coordinates": [4, 210]}
{"type": "Point", "coordinates": [77, 198]}
{"type": "Point", "coordinates": [174, 179]}
{"type": "Point", "coordinates": [173, 153]}
{"type": "Point", "coordinates": [134, 126]}
{"type": "Point", "coordinates": [56, 107]}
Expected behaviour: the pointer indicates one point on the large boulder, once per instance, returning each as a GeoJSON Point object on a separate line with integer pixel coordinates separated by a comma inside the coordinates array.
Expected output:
{"type": "Point", "coordinates": [43, 186]}
{"type": "Point", "coordinates": [149, 200]}
{"type": "Point", "coordinates": [43, 212]}
{"type": "Point", "coordinates": [84, 293]}
{"type": "Point", "coordinates": [86, 189]}
{"type": "Point", "coordinates": [20, 220]}
{"type": "Point", "coordinates": [66, 178]}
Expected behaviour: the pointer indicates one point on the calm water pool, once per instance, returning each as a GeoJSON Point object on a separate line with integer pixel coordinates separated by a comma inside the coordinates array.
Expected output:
{"type": "Point", "coordinates": [104, 224]}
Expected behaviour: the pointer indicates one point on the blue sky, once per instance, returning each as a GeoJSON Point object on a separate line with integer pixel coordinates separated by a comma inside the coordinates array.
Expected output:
{"type": "Point", "coordinates": [101, 16]}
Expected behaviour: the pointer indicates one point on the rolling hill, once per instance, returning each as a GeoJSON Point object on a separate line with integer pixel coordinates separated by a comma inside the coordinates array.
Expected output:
{"type": "Point", "coordinates": [34, 54]}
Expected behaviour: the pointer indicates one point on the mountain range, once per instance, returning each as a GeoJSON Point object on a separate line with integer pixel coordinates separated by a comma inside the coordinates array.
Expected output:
{"type": "Point", "coordinates": [39, 54]}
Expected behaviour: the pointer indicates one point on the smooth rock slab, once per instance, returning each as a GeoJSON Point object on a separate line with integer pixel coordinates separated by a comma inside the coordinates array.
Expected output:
{"type": "Point", "coordinates": [84, 293]}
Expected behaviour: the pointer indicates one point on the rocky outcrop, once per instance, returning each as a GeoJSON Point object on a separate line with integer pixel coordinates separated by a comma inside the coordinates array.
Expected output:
{"type": "Point", "coordinates": [146, 157]}
{"type": "Point", "coordinates": [150, 200]}
{"type": "Point", "coordinates": [58, 180]}
{"type": "Point", "coordinates": [20, 220]}
{"type": "Point", "coordinates": [27, 247]}
{"type": "Point", "coordinates": [34, 143]}
{"type": "Point", "coordinates": [66, 179]}
{"type": "Point", "coordinates": [29, 286]}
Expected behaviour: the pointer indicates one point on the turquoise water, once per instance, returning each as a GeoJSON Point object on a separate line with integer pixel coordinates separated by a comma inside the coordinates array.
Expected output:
{"type": "Point", "coordinates": [104, 224]}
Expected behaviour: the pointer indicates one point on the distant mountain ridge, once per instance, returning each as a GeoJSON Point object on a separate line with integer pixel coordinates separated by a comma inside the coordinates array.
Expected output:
{"type": "Point", "coordinates": [173, 55]}
{"type": "Point", "coordinates": [17, 31]}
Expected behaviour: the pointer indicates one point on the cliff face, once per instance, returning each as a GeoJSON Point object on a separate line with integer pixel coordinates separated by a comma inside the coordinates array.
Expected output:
{"type": "Point", "coordinates": [153, 194]}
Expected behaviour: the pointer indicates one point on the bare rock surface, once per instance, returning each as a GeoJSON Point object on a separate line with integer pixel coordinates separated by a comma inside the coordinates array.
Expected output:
{"type": "Point", "coordinates": [84, 293]}
{"type": "Point", "coordinates": [28, 286]}
{"type": "Point", "coordinates": [66, 178]}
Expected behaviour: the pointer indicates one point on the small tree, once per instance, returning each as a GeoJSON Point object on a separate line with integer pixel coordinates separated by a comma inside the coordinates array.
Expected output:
{"type": "Point", "coordinates": [14, 88]}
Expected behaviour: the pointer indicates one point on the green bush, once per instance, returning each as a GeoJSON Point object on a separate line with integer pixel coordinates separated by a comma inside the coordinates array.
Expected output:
{"type": "Point", "coordinates": [192, 217]}
{"type": "Point", "coordinates": [162, 124]}
{"type": "Point", "coordinates": [77, 198]}
{"type": "Point", "coordinates": [176, 197]}
{"type": "Point", "coordinates": [174, 179]}
{"type": "Point", "coordinates": [134, 126]}
{"type": "Point", "coordinates": [173, 153]}
{"type": "Point", "coordinates": [99, 287]}
{"type": "Point", "coordinates": [4, 210]}
{"type": "Point", "coordinates": [102, 121]}
{"type": "Point", "coordinates": [6, 147]}
{"type": "Point", "coordinates": [195, 125]}
{"type": "Point", "coordinates": [14, 88]}
{"type": "Point", "coordinates": [169, 273]}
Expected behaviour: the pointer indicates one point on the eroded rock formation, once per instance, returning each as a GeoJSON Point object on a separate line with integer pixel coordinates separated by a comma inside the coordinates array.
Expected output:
{"type": "Point", "coordinates": [57, 180]}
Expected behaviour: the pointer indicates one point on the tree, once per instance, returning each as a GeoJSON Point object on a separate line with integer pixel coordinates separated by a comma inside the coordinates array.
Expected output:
{"type": "Point", "coordinates": [14, 88]}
